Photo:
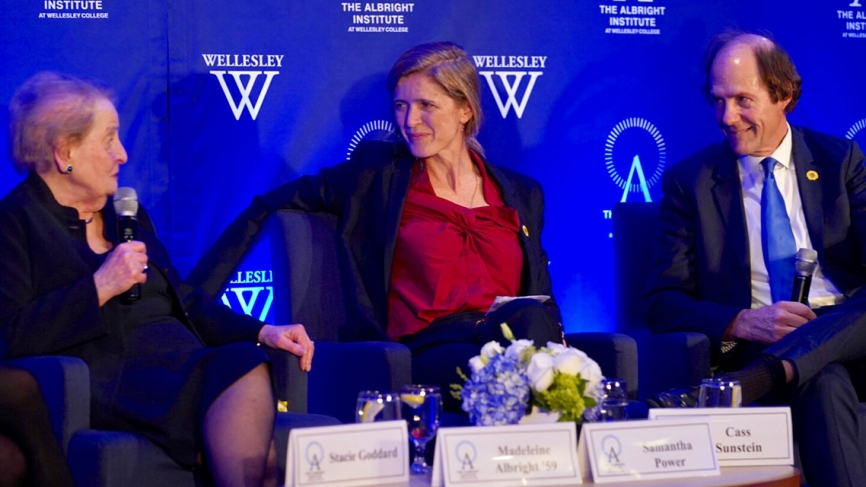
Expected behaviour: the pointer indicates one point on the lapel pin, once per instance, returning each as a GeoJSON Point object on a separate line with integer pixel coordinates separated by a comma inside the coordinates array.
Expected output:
{"type": "Point", "coordinates": [525, 230]}
{"type": "Point", "coordinates": [812, 175]}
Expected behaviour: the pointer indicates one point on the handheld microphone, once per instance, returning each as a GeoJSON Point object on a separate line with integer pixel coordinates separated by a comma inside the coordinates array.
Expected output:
{"type": "Point", "coordinates": [805, 265]}
{"type": "Point", "coordinates": [126, 207]}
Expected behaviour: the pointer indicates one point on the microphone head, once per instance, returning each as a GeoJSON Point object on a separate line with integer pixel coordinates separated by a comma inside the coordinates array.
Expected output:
{"type": "Point", "coordinates": [806, 262]}
{"type": "Point", "coordinates": [126, 202]}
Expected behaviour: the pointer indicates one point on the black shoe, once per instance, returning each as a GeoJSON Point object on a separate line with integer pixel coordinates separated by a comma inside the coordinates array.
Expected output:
{"type": "Point", "coordinates": [675, 398]}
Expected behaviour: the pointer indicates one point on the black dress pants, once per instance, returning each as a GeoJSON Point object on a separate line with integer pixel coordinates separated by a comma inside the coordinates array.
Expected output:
{"type": "Point", "coordinates": [449, 342]}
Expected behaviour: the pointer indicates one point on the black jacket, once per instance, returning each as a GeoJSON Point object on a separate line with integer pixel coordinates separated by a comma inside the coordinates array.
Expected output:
{"type": "Point", "coordinates": [367, 194]}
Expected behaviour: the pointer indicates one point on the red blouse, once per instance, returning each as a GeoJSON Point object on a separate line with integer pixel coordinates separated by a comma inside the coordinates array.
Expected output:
{"type": "Point", "coordinates": [451, 259]}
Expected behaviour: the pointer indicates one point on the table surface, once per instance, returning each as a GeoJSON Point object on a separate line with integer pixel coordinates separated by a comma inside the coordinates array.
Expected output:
{"type": "Point", "coordinates": [766, 476]}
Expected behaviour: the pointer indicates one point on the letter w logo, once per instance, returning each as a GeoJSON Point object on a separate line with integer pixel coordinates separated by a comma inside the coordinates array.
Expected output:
{"type": "Point", "coordinates": [511, 89]}
{"type": "Point", "coordinates": [245, 90]}
{"type": "Point", "coordinates": [248, 305]}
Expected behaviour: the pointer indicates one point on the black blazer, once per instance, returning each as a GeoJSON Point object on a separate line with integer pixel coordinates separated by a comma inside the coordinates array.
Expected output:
{"type": "Point", "coordinates": [701, 272]}
{"type": "Point", "coordinates": [367, 193]}
{"type": "Point", "coordinates": [48, 300]}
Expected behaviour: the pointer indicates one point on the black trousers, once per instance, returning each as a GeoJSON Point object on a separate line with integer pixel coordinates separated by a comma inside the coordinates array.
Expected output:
{"type": "Point", "coordinates": [829, 354]}
{"type": "Point", "coordinates": [449, 342]}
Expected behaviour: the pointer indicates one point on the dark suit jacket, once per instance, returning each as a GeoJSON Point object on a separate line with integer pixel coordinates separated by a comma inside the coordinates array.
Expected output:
{"type": "Point", "coordinates": [367, 193]}
{"type": "Point", "coordinates": [701, 271]}
{"type": "Point", "coordinates": [48, 300]}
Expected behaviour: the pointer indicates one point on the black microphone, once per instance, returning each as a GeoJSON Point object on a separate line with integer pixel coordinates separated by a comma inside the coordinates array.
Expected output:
{"type": "Point", "coordinates": [807, 261]}
{"type": "Point", "coordinates": [126, 207]}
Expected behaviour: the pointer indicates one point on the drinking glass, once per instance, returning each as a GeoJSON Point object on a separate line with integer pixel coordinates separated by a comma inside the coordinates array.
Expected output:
{"type": "Point", "coordinates": [421, 408]}
{"type": "Point", "coordinates": [377, 406]}
{"type": "Point", "coordinates": [720, 393]}
{"type": "Point", "coordinates": [614, 400]}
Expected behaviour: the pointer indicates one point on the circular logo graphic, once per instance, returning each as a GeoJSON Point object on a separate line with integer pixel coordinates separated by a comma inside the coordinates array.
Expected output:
{"type": "Point", "coordinates": [611, 448]}
{"type": "Point", "coordinates": [634, 146]}
{"type": "Point", "coordinates": [857, 127]}
{"type": "Point", "coordinates": [314, 454]}
{"type": "Point", "coordinates": [466, 453]}
{"type": "Point", "coordinates": [375, 130]}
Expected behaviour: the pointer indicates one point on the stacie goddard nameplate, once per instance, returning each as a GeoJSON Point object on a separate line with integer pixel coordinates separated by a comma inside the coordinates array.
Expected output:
{"type": "Point", "coordinates": [632, 450]}
{"type": "Point", "coordinates": [518, 455]}
{"type": "Point", "coordinates": [349, 455]}
{"type": "Point", "coordinates": [744, 436]}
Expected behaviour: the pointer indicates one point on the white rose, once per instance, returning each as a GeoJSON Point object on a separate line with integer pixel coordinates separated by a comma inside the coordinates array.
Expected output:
{"type": "Point", "coordinates": [517, 347]}
{"type": "Point", "coordinates": [591, 372]}
{"type": "Point", "coordinates": [540, 371]}
{"type": "Point", "coordinates": [556, 348]}
{"type": "Point", "coordinates": [491, 349]}
{"type": "Point", "coordinates": [569, 362]}
{"type": "Point", "coordinates": [476, 363]}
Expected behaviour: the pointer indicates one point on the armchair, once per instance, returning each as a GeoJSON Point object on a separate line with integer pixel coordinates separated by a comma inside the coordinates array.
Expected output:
{"type": "Point", "coordinates": [307, 280]}
{"type": "Point", "coordinates": [99, 458]}
{"type": "Point", "coordinates": [665, 361]}
{"type": "Point", "coordinates": [309, 290]}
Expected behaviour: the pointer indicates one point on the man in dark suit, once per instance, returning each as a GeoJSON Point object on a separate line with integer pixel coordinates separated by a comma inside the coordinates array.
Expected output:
{"type": "Point", "coordinates": [713, 272]}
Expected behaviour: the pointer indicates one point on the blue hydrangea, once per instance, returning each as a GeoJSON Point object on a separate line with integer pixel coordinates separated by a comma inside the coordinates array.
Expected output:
{"type": "Point", "coordinates": [498, 393]}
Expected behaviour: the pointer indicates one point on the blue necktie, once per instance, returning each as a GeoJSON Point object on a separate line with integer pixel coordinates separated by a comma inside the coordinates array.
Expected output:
{"type": "Point", "coordinates": [777, 237]}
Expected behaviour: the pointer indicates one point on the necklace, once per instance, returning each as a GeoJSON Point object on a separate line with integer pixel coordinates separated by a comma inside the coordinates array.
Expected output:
{"type": "Point", "coordinates": [474, 191]}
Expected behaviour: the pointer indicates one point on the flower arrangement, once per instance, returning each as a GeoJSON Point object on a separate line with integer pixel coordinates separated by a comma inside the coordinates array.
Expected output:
{"type": "Point", "coordinates": [554, 383]}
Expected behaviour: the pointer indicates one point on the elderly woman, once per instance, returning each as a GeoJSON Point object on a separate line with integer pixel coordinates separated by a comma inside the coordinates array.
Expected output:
{"type": "Point", "coordinates": [184, 372]}
{"type": "Point", "coordinates": [431, 233]}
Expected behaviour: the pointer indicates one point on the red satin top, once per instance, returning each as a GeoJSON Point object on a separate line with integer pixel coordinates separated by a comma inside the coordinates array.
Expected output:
{"type": "Point", "coordinates": [451, 259]}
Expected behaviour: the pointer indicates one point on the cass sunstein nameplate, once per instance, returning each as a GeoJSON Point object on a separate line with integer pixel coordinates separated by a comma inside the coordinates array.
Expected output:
{"type": "Point", "coordinates": [744, 436]}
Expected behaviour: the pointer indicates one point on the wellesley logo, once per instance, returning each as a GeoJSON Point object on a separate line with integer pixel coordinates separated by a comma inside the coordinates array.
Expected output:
{"type": "Point", "coordinates": [510, 71]}
{"type": "Point", "coordinates": [636, 149]}
{"type": "Point", "coordinates": [251, 293]}
{"type": "Point", "coordinates": [239, 93]}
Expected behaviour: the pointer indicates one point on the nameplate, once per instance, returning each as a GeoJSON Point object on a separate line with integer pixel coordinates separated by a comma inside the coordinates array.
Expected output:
{"type": "Point", "coordinates": [349, 455]}
{"type": "Point", "coordinates": [518, 455]}
{"type": "Point", "coordinates": [632, 450]}
{"type": "Point", "coordinates": [744, 436]}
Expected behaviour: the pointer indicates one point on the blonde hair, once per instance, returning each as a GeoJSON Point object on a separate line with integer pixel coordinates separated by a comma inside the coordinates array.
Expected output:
{"type": "Point", "coordinates": [448, 65]}
{"type": "Point", "coordinates": [48, 110]}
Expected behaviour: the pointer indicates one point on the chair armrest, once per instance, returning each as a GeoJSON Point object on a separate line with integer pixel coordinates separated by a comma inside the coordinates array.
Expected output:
{"type": "Point", "coordinates": [672, 360]}
{"type": "Point", "coordinates": [341, 370]}
{"type": "Point", "coordinates": [290, 381]}
{"type": "Point", "coordinates": [615, 353]}
{"type": "Point", "coordinates": [65, 386]}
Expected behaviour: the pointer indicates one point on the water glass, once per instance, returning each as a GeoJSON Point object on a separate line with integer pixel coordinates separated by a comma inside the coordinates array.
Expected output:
{"type": "Point", "coordinates": [614, 400]}
{"type": "Point", "coordinates": [377, 406]}
{"type": "Point", "coordinates": [421, 408]}
{"type": "Point", "coordinates": [720, 393]}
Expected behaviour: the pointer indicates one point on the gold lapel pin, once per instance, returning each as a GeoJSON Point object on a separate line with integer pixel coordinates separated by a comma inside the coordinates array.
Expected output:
{"type": "Point", "coordinates": [812, 175]}
{"type": "Point", "coordinates": [525, 230]}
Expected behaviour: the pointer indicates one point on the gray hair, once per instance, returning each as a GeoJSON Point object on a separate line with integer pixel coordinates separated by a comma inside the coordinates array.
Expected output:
{"type": "Point", "coordinates": [47, 111]}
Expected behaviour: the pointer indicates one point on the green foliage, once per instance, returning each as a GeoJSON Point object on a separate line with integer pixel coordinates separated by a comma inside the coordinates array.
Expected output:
{"type": "Point", "coordinates": [565, 395]}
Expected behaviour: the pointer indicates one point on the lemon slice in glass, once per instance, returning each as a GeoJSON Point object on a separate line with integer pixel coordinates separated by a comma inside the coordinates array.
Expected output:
{"type": "Point", "coordinates": [413, 400]}
{"type": "Point", "coordinates": [371, 409]}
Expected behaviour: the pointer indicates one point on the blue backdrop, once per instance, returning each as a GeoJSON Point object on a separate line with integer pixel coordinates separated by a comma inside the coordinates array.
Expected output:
{"type": "Point", "coordinates": [222, 100]}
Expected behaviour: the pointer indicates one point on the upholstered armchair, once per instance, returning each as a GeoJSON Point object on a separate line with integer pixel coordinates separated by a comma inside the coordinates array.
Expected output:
{"type": "Point", "coordinates": [308, 290]}
{"type": "Point", "coordinates": [99, 458]}
{"type": "Point", "coordinates": [665, 361]}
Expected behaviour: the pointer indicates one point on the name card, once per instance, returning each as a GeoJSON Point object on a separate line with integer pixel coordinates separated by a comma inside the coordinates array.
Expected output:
{"type": "Point", "coordinates": [632, 450]}
{"type": "Point", "coordinates": [349, 455]}
{"type": "Point", "coordinates": [745, 436]}
{"type": "Point", "coordinates": [518, 455]}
